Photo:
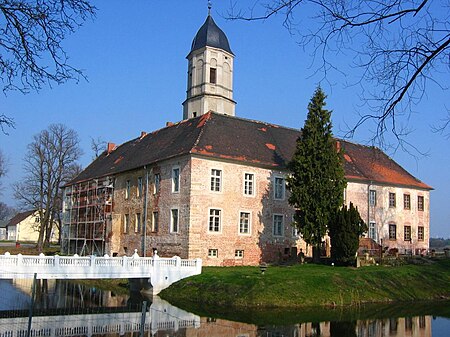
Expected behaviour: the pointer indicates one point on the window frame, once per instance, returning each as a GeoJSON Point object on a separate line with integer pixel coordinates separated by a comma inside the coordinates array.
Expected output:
{"type": "Point", "coordinates": [392, 200]}
{"type": "Point", "coordinates": [127, 189]}
{"type": "Point", "coordinates": [238, 253]}
{"type": "Point", "coordinates": [216, 180]}
{"type": "Point", "coordinates": [174, 226]}
{"type": "Point", "coordinates": [140, 187]}
{"type": "Point", "coordinates": [372, 198]}
{"type": "Point", "coordinates": [156, 183]}
{"type": "Point", "coordinates": [249, 224]}
{"type": "Point", "coordinates": [420, 233]}
{"type": "Point", "coordinates": [213, 253]}
{"type": "Point", "coordinates": [279, 216]}
{"type": "Point", "coordinates": [155, 222]}
{"type": "Point", "coordinates": [249, 185]}
{"type": "Point", "coordinates": [407, 233]}
{"type": "Point", "coordinates": [283, 188]}
{"type": "Point", "coordinates": [176, 179]}
{"type": "Point", "coordinates": [394, 227]}
{"type": "Point", "coordinates": [373, 229]}
{"type": "Point", "coordinates": [137, 223]}
{"type": "Point", "coordinates": [126, 223]}
{"type": "Point", "coordinates": [420, 203]}
{"type": "Point", "coordinates": [406, 201]}
{"type": "Point", "coordinates": [214, 216]}
{"type": "Point", "coordinates": [213, 75]}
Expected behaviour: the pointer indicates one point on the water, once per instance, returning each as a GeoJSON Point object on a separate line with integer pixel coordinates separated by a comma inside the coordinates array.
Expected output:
{"type": "Point", "coordinates": [68, 309]}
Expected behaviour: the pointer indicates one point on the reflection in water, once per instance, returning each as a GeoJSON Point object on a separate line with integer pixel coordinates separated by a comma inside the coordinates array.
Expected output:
{"type": "Point", "coordinates": [59, 312]}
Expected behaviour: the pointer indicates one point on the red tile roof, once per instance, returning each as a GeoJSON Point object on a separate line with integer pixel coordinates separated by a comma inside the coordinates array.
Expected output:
{"type": "Point", "coordinates": [236, 139]}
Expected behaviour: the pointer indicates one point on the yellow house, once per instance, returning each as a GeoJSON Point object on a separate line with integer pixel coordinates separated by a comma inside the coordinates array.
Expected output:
{"type": "Point", "coordinates": [24, 226]}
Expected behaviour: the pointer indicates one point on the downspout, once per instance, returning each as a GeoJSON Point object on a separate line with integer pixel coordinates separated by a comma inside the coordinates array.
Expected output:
{"type": "Point", "coordinates": [368, 206]}
{"type": "Point", "coordinates": [144, 224]}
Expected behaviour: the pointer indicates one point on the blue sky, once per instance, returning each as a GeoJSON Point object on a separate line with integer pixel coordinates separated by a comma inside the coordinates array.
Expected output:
{"type": "Point", "coordinates": [134, 52]}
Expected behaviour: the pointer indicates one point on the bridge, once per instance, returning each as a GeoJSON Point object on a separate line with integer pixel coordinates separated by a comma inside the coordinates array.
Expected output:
{"type": "Point", "coordinates": [161, 316]}
{"type": "Point", "coordinates": [162, 272]}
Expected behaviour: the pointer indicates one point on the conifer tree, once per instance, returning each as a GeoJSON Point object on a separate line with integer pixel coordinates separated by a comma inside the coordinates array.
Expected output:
{"type": "Point", "coordinates": [317, 182]}
{"type": "Point", "coordinates": [345, 230]}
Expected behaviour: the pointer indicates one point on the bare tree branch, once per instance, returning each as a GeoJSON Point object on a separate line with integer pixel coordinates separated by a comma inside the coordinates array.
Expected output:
{"type": "Point", "coordinates": [399, 45]}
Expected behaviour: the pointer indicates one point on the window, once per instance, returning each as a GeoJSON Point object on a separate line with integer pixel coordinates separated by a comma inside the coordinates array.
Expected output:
{"type": "Point", "coordinates": [215, 180]}
{"type": "Point", "coordinates": [213, 252]}
{"type": "Point", "coordinates": [407, 233]}
{"type": "Point", "coordinates": [392, 232]}
{"type": "Point", "coordinates": [37, 219]}
{"type": "Point", "coordinates": [156, 183]}
{"type": "Point", "coordinates": [176, 179]}
{"type": "Point", "coordinates": [277, 225]}
{"type": "Point", "coordinates": [279, 188]}
{"type": "Point", "coordinates": [406, 201]}
{"type": "Point", "coordinates": [139, 187]}
{"type": "Point", "coordinates": [392, 200]}
{"type": "Point", "coordinates": [244, 223]}
{"type": "Point", "coordinates": [420, 233]}
{"type": "Point", "coordinates": [174, 220]}
{"type": "Point", "coordinates": [420, 203]}
{"type": "Point", "coordinates": [212, 75]}
{"type": "Point", "coordinates": [372, 198]}
{"type": "Point", "coordinates": [248, 183]}
{"type": "Point", "coordinates": [345, 195]}
{"type": "Point", "coordinates": [127, 189]}
{"type": "Point", "coordinates": [214, 220]}
{"type": "Point", "coordinates": [155, 221]}
{"type": "Point", "coordinates": [239, 253]}
{"type": "Point", "coordinates": [137, 223]}
{"type": "Point", "coordinates": [126, 223]}
{"type": "Point", "coordinates": [373, 230]}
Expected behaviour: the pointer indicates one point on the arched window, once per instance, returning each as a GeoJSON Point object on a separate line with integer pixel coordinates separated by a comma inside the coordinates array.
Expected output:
{"type": "Point", "coordinates": [199, 72]}
{"type": "Point", "coordinates": [226, 75]}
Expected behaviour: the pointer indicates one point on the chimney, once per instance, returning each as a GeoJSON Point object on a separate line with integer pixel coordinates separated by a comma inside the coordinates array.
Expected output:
{"type": "Point", "coordinates": [110, 148]}
{"type": "Point", "coordinates": [169, 123]}
{"type": "Point", "coordinates": [143, 134]}
{"type": "Point", "coordinates": [338, 146]}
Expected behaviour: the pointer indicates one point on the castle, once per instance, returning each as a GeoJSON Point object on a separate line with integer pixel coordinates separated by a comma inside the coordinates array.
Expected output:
{"type": "Point", "coordinates": [212, 186]}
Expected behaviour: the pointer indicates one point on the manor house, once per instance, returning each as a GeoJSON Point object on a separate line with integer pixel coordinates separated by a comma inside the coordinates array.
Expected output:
{"type": "Point", "coordinates": [212, 186]}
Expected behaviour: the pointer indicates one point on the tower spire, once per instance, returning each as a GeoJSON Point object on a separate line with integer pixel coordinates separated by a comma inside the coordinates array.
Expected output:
{"type": "Point", "coordinates": [209, 8]}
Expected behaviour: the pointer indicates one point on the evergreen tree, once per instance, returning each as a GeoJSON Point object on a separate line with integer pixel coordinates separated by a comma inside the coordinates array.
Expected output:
{"type": "Point", "coordinates": [345, 230]}
{"type": "Point", "coordinates": [317, 182]}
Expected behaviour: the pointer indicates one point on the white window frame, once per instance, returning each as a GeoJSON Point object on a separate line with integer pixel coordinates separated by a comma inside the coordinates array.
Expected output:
{"type": "Point", "coordinates": [239, 254]}
{"type": "Point", "coordinates": [394, 226]}
{"type": "Point", "coordinates": [176, 180]}
{"type": "Point", "coordinates": [283, 188]}
{"type": "Point", "coordinates": [392, 204]}
{"type": "Point", "coordinates": [420, 203]}
{"type": "Point", "coordinates": [155, 222]}
{"type": "Point", "coordinates": [372, 198]}
{"type": "Point", "coordinates": [156, 183]}
{"type": "Point", "coordinates": [140, 187]}
{"type": "Point", "coordinates": [249, 223]}
{"type": "Point", "coordinates": [213, 253]}
{"type": "Point", "coordinates": [282, 225]}
{"type": "Point", "coordinates": [407, 229]}
{"type": "Point", "coordinates": [372, 230]}
{"type": "Point", "coordinates": [127, 189]}
{"type": "Point", "coordinates": [137, 223]}
{"type": "Point", "coordinates": [216, 180]}
{"type": "Point", "coordinates": [420, 236]}
{"type": "Point", "coordinates": [407, 201]}
{"type": "Point", "coordinates": [126, 223]}
{"type": "Point", "coordinates": [172, 223]}
{"type": "Point", "coordinates": [249, 183]}
{"type": "Point", "coordinates": [214, 216]}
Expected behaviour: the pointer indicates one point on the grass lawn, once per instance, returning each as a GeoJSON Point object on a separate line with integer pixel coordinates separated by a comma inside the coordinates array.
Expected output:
{"type": "Point", "coordinates": [312, 285]}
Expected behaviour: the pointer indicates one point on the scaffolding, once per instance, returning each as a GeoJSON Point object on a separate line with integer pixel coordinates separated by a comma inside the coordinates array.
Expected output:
{"type": "Point", "coordinates": [87, 216]}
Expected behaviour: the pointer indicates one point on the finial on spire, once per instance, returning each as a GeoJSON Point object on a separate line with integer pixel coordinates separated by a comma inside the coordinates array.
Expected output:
{"type": "Point", "coordinates": [209, 7]}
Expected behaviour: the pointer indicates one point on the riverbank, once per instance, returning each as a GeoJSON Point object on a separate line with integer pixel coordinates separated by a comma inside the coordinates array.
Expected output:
{"type": "Point", "coordinates": [311, 285]}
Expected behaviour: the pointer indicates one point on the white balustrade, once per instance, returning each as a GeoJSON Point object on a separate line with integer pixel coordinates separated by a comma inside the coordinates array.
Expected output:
{"type": "Point", "coordinates": [161, 271]}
